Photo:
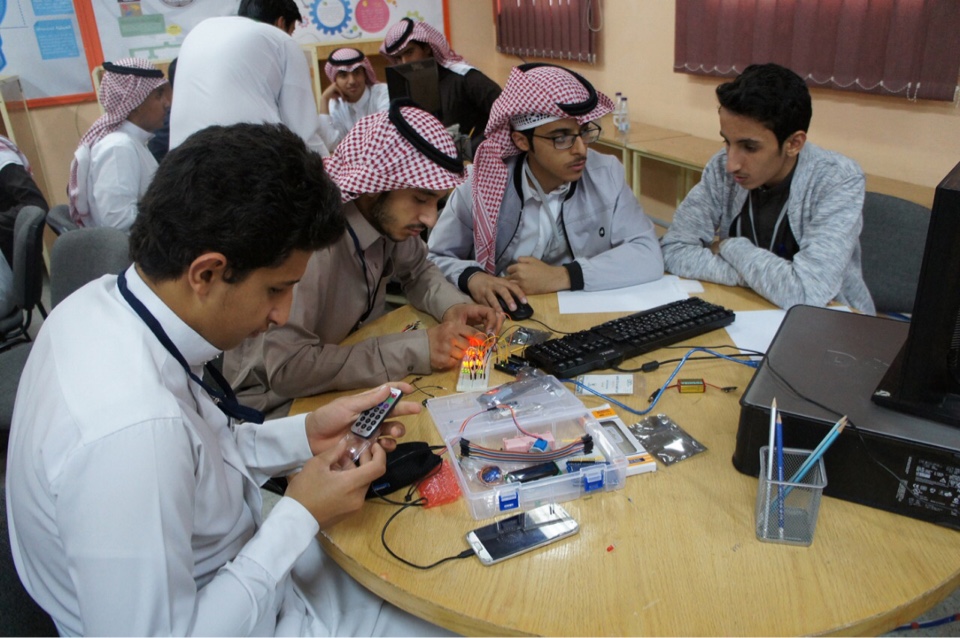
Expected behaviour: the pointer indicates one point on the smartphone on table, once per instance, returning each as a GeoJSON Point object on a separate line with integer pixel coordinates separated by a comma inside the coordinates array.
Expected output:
{"type": "Point", "coordinates": [521, 533]}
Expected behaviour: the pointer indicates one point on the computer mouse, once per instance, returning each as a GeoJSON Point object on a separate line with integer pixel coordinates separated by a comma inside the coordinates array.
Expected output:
{"type": "Point", "coordinates": [523, 311]}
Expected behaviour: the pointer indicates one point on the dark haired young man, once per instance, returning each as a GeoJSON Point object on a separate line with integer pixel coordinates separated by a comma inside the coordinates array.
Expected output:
{"type": "Point", "coordinates": [541, 212]}
{"type": "Point", "coordinates": [132, 495]}
{"type": "Point", "coordinates": [787, 213]}
{"type": "Point", "coordinates": [283, 14]}
{"type": "Point", "coordinates": [246, 68]}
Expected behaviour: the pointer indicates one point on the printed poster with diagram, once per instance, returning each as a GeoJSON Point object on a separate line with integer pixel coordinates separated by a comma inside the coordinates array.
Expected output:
{"type": "Point", "coordinates": [154, 29]}
{"type": "Point", "coordinates": [40, 41]}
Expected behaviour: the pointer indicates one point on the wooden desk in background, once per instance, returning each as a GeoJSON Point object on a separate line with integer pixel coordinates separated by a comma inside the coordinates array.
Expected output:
{"type": "Point", "coordinates": [662, 166]}
{"type": "Point", "coordinates": [684, 558]}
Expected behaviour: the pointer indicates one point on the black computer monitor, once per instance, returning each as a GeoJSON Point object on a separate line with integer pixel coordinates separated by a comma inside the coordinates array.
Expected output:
{"type": "Point", "coordinates": [417, 81]}
{"type": "Point", "coordinates": [924, 379]}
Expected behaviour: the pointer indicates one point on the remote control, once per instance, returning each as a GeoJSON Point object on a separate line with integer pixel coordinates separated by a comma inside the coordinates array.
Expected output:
{"type": "Point", "coordinates": [364, 430]}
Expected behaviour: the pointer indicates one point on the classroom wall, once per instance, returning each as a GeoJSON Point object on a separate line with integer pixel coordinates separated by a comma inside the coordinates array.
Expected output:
{"type": "Point", "coordinates": [58, 130]}
{"type": "Point", "coordinates": [916, 142]}
{"type": "Point", "coordinates": [892, 137]}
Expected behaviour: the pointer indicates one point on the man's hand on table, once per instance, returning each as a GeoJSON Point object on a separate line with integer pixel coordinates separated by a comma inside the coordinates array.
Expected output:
{"type": "Point", "coordinates": [470, 314]}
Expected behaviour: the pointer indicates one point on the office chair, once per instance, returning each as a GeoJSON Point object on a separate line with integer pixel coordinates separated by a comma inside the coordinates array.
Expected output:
{"type": "Point", "coordinates": [892, 242]}
{"type": "Point", "coordinates": [83, 255]}
{"type": "Point", "coordinates": [19, 614]}
{"type": "Point", "coordinates": [59, 220]}
{"type": "Point", "coordinates": [12, 361]}
{"type": "Point", "coordinates": [27, 276]}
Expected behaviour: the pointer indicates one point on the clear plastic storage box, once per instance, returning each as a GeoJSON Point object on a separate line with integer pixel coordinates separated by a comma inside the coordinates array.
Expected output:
{"type": "Point", "coordinates": [544, 408]}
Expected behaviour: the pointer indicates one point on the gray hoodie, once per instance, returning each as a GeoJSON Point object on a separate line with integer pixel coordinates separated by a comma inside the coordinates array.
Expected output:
{"type": "Point", "coordinates": [825, 211]}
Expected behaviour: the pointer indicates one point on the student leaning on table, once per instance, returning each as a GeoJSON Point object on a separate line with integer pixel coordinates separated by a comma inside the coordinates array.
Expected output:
{"type": "Point", "coordinates": [540, 211]}
{"type": "Point", "coordinates": [787, 213]}
{"type": "Point", "coordinates": [133, 498]}
{"type": "Point", "coordinates": [392, 168]}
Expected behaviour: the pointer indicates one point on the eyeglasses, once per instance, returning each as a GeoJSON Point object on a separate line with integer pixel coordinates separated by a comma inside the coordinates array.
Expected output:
{"type": "Point", "coordinates": [589, 134]}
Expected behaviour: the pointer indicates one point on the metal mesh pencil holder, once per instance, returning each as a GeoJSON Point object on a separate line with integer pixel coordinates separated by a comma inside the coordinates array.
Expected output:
{"type": "Point", "coordinates": [787, 511]}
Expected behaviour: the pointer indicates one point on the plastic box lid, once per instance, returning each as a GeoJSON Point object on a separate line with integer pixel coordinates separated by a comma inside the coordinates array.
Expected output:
{"type": "Point", "coordinates": [543, 407]}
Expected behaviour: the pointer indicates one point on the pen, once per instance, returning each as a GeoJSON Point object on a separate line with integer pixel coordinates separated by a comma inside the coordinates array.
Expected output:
{"type": "Point", "coordinates": [412, 326]}
{"type": "Point", "coordinates": [770, 444]}
{"type": "Point", "coordinates": [780, 493]}
{"type": "Point", "coordinates": [773, 426]}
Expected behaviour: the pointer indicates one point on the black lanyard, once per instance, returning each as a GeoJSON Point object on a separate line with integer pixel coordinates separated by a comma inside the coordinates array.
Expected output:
{"type": "Point", "coordinates": [367, 276]}
{"type": "Point", "coordinates": [225, 398]}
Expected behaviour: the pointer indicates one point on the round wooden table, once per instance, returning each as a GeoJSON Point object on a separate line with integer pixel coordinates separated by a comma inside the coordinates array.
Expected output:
{"type": "Point", "coordinates": [673, 553]}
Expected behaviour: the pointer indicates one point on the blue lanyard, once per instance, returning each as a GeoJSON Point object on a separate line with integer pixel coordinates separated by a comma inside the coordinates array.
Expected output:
{"type": "Point", "coordinates": [225, 398]}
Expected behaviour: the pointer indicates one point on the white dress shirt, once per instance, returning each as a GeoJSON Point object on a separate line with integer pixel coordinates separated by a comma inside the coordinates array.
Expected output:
{"type": "Point", "coordinates": [343, 115]}
{"type": "Point", "coordinates": [134, 508]}
{"type": "Point", "coordinates": [234, 69]}
{"type": "Point", "coordinates": [540, 234]}
{"type": "Point", "coordinates": [113, 175]}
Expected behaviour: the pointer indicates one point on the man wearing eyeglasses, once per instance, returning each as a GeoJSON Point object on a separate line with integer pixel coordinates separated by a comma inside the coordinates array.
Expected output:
{"type": "Point", "coordinates": [540, 212]}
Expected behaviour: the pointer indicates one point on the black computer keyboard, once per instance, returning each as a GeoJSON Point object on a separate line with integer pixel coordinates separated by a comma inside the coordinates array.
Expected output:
{"type": "Point", "coordinates": [609, 343]}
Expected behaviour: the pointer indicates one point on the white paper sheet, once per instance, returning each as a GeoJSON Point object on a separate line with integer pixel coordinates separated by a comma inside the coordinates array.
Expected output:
{"type": "Point", "coordinates": [632, 299]}
{"type": "Point", "coordinates": [755, 329]}
{"type": "Point", "coordinates": [691, 286]}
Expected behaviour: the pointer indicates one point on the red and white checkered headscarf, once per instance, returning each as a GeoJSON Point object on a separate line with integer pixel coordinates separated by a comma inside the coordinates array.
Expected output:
{"type": "Point", "coordinates": [347, 59]}
{"type": "Point", "coordinates": [535, 91]}
{"type": "Point", "coordinates": [403, 147]}
{"type": "Point", "coordinates": [124, 86]}
{"type": "Point", "coordinates": [406, 31]}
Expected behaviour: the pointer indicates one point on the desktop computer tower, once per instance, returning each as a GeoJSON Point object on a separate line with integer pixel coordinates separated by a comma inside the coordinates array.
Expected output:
{"type": "Point", "coordinates": [826, 363]}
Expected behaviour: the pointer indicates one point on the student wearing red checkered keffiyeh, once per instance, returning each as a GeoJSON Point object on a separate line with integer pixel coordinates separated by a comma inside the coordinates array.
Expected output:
{"type": "Point", "coordinates": [541, 212]}
{"type": "Point", "coordinates": [112, 166]}
{"type": "Point", "coordinates": [392, 169]}
{"type": "Point", "coordinates": [466, 94]}
{"type": "Point", "coordinates": [353, 94]}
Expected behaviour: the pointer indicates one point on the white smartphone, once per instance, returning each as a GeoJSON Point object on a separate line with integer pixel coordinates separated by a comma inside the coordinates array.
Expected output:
{"type": "Point", "coordinates": [521, 533]}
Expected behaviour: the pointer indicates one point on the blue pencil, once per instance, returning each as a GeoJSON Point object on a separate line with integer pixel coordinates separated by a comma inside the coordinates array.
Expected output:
{"type": "Point", "coordinates": [780, 494]}
{"type": "Point", "coordinates": [819, 450]}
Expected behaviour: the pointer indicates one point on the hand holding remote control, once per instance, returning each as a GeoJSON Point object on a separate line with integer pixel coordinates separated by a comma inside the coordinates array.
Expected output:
{"type": "Point", "coordinates": [365, 429]}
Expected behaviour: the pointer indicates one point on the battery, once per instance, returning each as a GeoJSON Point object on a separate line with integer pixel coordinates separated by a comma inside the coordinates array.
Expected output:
{"type": "Point", "coordinates": [691, 385]}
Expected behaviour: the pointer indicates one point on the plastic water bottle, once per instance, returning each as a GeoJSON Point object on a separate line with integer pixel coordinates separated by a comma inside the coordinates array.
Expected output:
{"type": "Point", "coordinates": [624, 123]}
{"type": "Point", "coordinates": [617, 105]}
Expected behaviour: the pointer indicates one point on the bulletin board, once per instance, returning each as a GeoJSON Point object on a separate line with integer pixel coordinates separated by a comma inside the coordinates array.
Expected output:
{"type": "Point", "coordinates": [53, 44]}
{"type": "Point", "coordinates": [41, 41]}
